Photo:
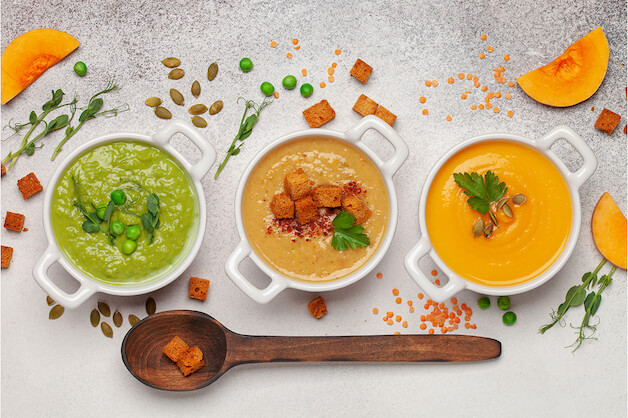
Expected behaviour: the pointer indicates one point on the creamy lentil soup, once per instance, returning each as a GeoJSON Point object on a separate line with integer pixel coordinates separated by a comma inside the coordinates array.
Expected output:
{"type": "Point", "coordinates": [305, 252]}
{"type": "Point", "coordinates": [116, 166]}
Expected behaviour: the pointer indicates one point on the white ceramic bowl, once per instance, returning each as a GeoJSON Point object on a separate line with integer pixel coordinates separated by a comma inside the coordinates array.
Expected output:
{"type": "Point", "coordinates": [89, 286]}
{"type": "Point", "coordinates": [573, 180]}
{"type": "Point", "coordinates": [278, 281]}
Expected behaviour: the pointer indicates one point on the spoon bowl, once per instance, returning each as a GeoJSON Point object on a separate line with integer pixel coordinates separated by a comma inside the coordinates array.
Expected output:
{"type": "Point", "coordinates": [222, 349]}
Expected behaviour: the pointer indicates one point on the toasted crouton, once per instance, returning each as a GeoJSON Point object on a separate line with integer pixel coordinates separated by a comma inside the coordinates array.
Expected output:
{"type": "Point", "coordinates": [365, 106]}
{"type": "Point", "coordinates": [7, 255]}
{"type": "Point", "coordinates": [317, 307]}
{"type": "Point", "coordinates": [297, 184]}
{"type": "Point", "coordinates": [306, 210]}
{"type": "Point", "coordinates": [14, 221]}
{"type": "Point", "coordinates": [198, 288]}
{"type": "Point", "coordinates": [175, 348]}
{"type": "Point", "coordinates": [607, 121]}
{"type": "Point", "coordinates": [29, 185]}
{"type": "Point", "coordinates": [319, 114]}
{"type": "Point", "coordinates": [327, 196]}
{"type": "Point", "coordinates": [190, 360]}
{"type": "Point", "coordinates": [386, 115]}
{"type": "Point", "coordinates": [355, 206]}
{"type": "Point", "coordinates": [4, 170]}
{"type": "Point", "coordinates": [282, 206]}
{"type": "Point", "coordinates": [361, 70]}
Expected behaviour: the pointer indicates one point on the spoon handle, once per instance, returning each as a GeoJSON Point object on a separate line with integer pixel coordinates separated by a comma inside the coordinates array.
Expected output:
{"type": "Point", "coordinates": [394, 348]}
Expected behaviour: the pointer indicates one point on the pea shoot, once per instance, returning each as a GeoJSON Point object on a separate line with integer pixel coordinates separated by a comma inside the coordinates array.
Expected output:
{"type": "Point", "coordinates": [80, 68]}
{"type": "Point", "coordinates": [289, 82]}
{"type": "Point", "coordinates": [484, 302]}
{"type": "Point", "coordinates": [307, 90]}
{"type": "Point", "coordinates": [246, 65]}
{"type": "Point", "coordinates": [267, 89]}
{"type": "Point", "coordinates": [503, 303]}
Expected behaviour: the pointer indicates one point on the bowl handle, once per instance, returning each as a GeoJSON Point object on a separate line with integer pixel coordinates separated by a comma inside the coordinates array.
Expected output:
{"type": "Point", "coordinates": [438, 294]}
{"type": "Point", "coordinates": [40, 272]}
{"type": "Point", "coordinates": [200, 169]}
{"type": "Point", "coordinates": [232, 267]}
{"type": "Point", "coordinates": [589, 164]}
{"type": "Point", "coordinates": [389, 167]}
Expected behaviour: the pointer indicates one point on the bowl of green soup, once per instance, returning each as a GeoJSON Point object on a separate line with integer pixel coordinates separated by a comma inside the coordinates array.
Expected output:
{"type": "Point", "coordinates": [125, 214]}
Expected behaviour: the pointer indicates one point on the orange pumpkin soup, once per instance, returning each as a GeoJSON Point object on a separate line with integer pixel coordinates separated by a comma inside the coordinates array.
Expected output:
{"type": "Point", "coordinates": [520, 248]}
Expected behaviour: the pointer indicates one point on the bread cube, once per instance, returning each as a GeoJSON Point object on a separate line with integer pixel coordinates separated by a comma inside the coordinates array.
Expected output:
{"type": "Point", "coordinates": [317, 307]}
{"type": "Point", "coordinates": [14, 221]}
{"type": "Point", "coordinates": [175, 348]}
{"type": "Point", "coordinates": [190, 360]}
{"type": "Point", "coordinates": [4, 170]}
{"type": "Point", "coordinates": [306, 210]}
{"type": "Point", "coordinates": [319, 114]}
{"type": "Point", "coordinates": [327, 196]}
{"type": "Point", "coordinates": [607, 121]}
{"type": "Point", "coordinates": [361, 70]}
{"type": "Point", "coordinates": [297, 184]}
{"type": "Point", "coordinates": [282, 206]}
{"type": "Point", "coordinates": [365, 106]}
{"type": "Point", "coordinates": [29, 185]}
{"type": "Point", "coordinates": [355, 206]}
{"type": "Point", "coordinates": [386, 115]}
{"type": "Point", "coordinates": [7, 255]}
{"type": "Point", "coordinates": [198, 288]}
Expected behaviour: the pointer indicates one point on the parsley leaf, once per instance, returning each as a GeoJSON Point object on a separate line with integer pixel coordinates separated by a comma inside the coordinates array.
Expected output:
{"type": "Point", "coordinates": [347, 234]}
{"type": "Point", "coordinates": [483, 190]}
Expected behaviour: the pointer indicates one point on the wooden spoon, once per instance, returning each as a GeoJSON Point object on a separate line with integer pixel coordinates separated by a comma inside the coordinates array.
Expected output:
{"type": "Point", "coordinates": [223, 349]}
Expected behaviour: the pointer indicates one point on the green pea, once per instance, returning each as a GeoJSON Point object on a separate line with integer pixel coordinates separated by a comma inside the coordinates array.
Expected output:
{"type": "Point", "coordinates": [133, 232]}
{"type": "Point", "coordinates": [267, 88]}
{"type": "Point", "coordinates": [128, 246]}
{"type": "Point", "coordinates": [484, 302]}
{"type": "Point", "coordinates": [503, 303]}
{"type": "Point", "coordinates": [118, 197]}
{"type": "Point", "coordinates": [100, 211]}
{"type": "Point", "coordinates": [289, 82]}
{"type": "Point", "coordinates": [307, 90]}
{"type": "Point", "coordinates": [117, 227]}
{"type": "Point", "coordinates": [80, 68]}
{"type": "Point", "coordinates": [246, 64]}
{"type": "Point", "coordinates": [509, 318]}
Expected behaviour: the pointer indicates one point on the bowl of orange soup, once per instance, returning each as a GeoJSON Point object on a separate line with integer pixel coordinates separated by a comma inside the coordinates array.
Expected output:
{"type": "Point", "coordinates": [529, 230]}
{"type": "Point", "coordinates": [289, 196]}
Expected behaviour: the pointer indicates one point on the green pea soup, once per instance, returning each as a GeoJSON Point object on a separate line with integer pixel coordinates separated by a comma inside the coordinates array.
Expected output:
{"type": "Point", "coordinates": [121, 165]}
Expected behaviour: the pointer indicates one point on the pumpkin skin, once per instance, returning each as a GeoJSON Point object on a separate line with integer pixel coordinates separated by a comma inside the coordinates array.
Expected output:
{"type": "Point", "coordinates": [574, 76]}
{"type": "Point", "coordinates": [29, 55]}
{"type": "Point", "coordinates": [609, 231]}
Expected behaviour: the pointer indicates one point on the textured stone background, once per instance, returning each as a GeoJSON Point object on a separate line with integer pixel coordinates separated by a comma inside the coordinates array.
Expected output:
{"type": "Point", "coordinates": [67, 368]}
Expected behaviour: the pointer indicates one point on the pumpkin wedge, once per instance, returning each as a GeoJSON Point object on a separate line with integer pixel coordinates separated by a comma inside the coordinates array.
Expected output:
{"type": "Point", "coordinates": [29, 55]}
{"type": "Point", "coordinates": [574, 76]}
{"type": "Point", "coordinates": [609, 231]}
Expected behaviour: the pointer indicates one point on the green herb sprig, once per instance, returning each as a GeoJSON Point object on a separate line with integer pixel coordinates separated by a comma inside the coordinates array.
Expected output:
{"type": "Point", "coordinates": [92, 222]}
{"type": "Point", "coordinates": [150, 219]}
{"type": "Point", "coordinates": [347, 234]}
{"type": "Point", "coordinates": [245, 130]}
{"type": "Point", "coordinates": [91, 112]}
{"type": "Point", "coordinates": [483, 190]}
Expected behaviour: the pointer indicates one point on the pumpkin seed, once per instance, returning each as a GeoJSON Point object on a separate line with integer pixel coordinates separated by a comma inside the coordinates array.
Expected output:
{"type": "Point", "coordinates": [196, 89]}
{"type": "Point", "coordinates": [133, 319]}
{"type": "Point", "coordinates": [177, 97]}
{"type": "Point", "coordinates": [104, 309]}
{"type": "Point", "coordinates": [507, 210]}
{"type": "Point", "coordinates": [162, 113]}
{"type": "Point", "coordinates": [176, 74]}
{"type": "Point", "coordinates": [56, 312]}
{"type": "Point", "coordinates": [198, 109]}
{"type": "Point", "coordinates": [488, 230]}
{"type": "Point", "coordinates": [94, 317]}
{"type": "Point", "coordinates": [171, 62]}
{"type": "Point", "coordinates": [117, 319]}
{"type": "Point", "coordinates": [212, 71]}
{"type": "Point", "coordinates": [501, 202]}
{"type": "Point", "coordinates": [106, 329]}
{"type": "Point", "coordinates": [519, 199]}
{"type": "Point", "coordinates": [478, 227]}
{"type": "Point", "coordinates": [153, 101]}
{"type": "Point", "coordinates": [199, 122]}
{"type": "Point", "coordinates": [151, 306]}
{"type": "Point", "coordinates": [215, 107]}
{"type": "Point", "coordinates": [493, 217]}
{"type": "Point", "coordinates": [50, 301]}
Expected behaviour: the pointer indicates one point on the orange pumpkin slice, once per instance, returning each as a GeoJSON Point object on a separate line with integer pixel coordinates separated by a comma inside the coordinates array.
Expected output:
{"type": "Point", "coordinates": [573, 77]}
{"type": "Point", "coordinates": [29, 55]}
{"type": "Point", "coordinates": [609, 231]}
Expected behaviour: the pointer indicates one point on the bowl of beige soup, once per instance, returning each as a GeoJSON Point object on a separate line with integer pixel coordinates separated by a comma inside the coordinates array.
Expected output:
{"type": "Point", "coordinates": [297, 251]}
